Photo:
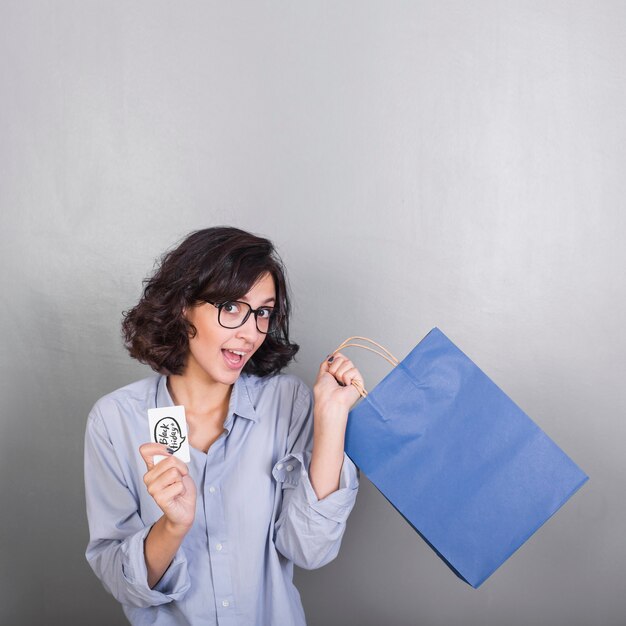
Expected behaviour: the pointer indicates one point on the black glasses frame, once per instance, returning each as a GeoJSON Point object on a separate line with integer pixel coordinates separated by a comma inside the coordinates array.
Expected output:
{"type": "Point", "coordinates": [221, 305]}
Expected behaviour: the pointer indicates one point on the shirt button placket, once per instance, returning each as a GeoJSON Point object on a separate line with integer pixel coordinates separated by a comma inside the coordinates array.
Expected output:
{"type": "Point", "coordinates": [216, 535]}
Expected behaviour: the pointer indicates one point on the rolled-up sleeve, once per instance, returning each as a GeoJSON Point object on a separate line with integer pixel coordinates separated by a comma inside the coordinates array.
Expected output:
{"type": "Point", "coordinates": [116, 531]}
{"type": "Point", "coordinates": [309, 531]}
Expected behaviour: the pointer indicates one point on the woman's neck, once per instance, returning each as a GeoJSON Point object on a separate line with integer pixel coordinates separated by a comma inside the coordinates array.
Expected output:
{"type": "Point", "coordinates": [200, 398]}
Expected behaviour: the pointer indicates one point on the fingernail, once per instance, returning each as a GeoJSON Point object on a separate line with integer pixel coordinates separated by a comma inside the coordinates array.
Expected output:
{"type": "Point", "coordinates": [331, 359]}
{"type": "Point", "coordinates": [169, 450]}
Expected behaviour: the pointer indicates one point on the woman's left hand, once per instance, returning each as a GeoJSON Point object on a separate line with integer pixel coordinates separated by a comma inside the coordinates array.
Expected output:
{"type": "Point", "coordinates": [333, 390]}
{"type": "Point", "coordinates": [333, 394]}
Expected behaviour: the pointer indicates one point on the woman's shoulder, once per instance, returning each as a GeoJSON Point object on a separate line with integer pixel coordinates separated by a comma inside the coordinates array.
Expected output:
{"type": "Point", "coordinates": [136, 395]}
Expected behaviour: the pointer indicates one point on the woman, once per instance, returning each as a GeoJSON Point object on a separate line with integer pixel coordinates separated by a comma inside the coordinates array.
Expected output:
{"type": "Point", "coordinates": [268, 485]}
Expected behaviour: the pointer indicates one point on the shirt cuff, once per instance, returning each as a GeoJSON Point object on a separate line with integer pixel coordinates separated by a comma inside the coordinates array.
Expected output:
{"type": "Point", "coordinates": [293, 472]}
{"type": "Point", "coordinates": [173, 584]}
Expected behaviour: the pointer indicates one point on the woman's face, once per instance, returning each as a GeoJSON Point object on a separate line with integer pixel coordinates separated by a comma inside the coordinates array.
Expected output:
{"type": "Point", "coordinates": [210, 351]}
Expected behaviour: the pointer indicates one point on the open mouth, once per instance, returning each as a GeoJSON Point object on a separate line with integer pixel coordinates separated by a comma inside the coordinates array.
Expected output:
{"type": "Point", "coordinates": [234, 358]}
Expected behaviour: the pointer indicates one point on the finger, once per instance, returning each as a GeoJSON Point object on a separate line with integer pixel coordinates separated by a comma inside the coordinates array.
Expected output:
{"type": "Point", "coordinates": [333, 356]}
{"type": "Point", "coordinates": [335, 361]}
{"type": "Point", "coordinates": [342, 369]}
{"type": "Point", "coordinates": [156, 484]}
{"type": "Point", "coordinates": [349, 375]}
{"type": "Point", "coordinates": [173, 491]}
{"type": "Point", "coordinates": [340, 365]}
{"type": "Point", "coordinates": [328, 362]}
{"type": "Point", "coordinates": [324, 365]}
{"type": "Point", "coordinates": [149, 450]}
{"type": "Point", "coordinates": [164, 466]}
{"type": "Point", "coordinates": [357, 390]}
{"type": "Point", "coordinates": [330, 358]}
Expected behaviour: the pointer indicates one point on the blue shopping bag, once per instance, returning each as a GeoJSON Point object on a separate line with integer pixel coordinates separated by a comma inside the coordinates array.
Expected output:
{"type": "Point", "coordinates": [464, 465]}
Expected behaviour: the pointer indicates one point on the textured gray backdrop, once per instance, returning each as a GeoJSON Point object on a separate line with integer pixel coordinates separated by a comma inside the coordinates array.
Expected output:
{"type": "Point", "coordinates": [460, 164]}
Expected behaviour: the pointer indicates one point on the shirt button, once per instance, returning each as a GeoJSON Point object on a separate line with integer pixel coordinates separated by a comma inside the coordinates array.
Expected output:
{"type": "Point", "coordinates": [211, 489]}
{"type": "Point", "coordinates": [218, 546]}
{"type": "Point", "coordinates": [225, 603]}
{"type": "Point", "coordinates": [289, 468]}
{"type": "Point", "coordinates": [280, 466]}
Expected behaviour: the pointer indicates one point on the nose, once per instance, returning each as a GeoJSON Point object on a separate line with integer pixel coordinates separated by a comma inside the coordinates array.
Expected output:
{"type": "Point", "coordinates": [249, 332]}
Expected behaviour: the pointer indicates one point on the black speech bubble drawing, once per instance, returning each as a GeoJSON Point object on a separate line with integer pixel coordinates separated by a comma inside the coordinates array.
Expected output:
{"type": "Point", "coordinates": [167, 431]}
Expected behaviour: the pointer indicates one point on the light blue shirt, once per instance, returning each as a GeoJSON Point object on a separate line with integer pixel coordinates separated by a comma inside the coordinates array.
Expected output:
{"type": "Point", "coordinates": [256, 512]}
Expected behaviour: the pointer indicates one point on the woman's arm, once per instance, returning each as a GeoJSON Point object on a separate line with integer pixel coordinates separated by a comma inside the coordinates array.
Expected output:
{"type": "Point", "coordinates": [312, 519]}
{"type": "Point", "coordinates": [172, 488]}
{"type": "Point", "coordinates": [332, 404]}
{"type": "Point", "coordinates": [160, 547]}
{"type": "Point", "coordinates": [117, 533]}
{"type": "Point", "coordinates": [327, 456]}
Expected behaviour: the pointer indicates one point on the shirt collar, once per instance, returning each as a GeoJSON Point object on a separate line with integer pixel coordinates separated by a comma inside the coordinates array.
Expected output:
{"type": "Point", "coordinates": [240, 403]}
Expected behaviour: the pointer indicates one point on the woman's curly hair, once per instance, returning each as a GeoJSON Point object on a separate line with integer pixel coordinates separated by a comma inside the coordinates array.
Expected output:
{"type": "Point", "coordinates": [215, 265]}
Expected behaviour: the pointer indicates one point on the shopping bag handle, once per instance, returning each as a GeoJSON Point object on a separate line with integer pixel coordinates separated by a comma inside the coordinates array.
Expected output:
{"type": "Point", "coordinates": [385, 354]}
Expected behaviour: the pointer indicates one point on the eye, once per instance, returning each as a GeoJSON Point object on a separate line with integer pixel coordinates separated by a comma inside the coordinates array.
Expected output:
{"type": "Point", "coordinates": [231, 307]}
{"type": "Point", "coordinates": [265, 313]}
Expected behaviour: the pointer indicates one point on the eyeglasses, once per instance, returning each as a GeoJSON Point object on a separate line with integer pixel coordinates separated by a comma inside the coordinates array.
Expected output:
{"type": "Point", "coordinates": [233, 314]}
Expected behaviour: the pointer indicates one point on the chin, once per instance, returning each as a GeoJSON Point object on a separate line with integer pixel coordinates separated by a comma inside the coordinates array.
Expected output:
{"type": "Point", "coordinates": [229, 378]}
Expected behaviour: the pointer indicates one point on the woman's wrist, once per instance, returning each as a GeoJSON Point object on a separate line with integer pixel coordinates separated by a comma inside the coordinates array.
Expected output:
{"type": "Point", "coordinates": [174, 529]}
{"type": "Point", "coordinates": [332, 417]}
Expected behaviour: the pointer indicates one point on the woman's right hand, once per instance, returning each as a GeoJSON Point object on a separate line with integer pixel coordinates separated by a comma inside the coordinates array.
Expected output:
{"type": "Point", "coordinates": [171, 486]}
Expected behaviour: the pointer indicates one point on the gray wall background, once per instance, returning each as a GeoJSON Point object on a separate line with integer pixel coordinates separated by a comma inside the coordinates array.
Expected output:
{"type": "Point", "coordinates": [459, 163]}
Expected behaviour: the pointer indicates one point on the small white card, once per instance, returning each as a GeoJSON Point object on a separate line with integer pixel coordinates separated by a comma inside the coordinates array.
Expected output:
{"type": "Point", "coordinates": [169, 426]}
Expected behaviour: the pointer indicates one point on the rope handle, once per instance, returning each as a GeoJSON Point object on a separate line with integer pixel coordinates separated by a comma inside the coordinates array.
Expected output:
{"type": "Point", "coordinates": [385, 354]}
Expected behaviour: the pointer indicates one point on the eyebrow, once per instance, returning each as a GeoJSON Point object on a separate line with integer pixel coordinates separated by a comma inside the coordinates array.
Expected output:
{"type": "Point", "coordinates": [243, 299]}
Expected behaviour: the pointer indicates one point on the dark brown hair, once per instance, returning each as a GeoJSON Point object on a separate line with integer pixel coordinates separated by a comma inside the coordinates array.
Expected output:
{"type": "Point", "coordinates": [214, 264]}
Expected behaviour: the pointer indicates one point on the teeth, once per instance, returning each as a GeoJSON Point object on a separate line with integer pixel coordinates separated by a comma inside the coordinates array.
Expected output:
{"type": "Point", "coordinates": [237, 352]}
